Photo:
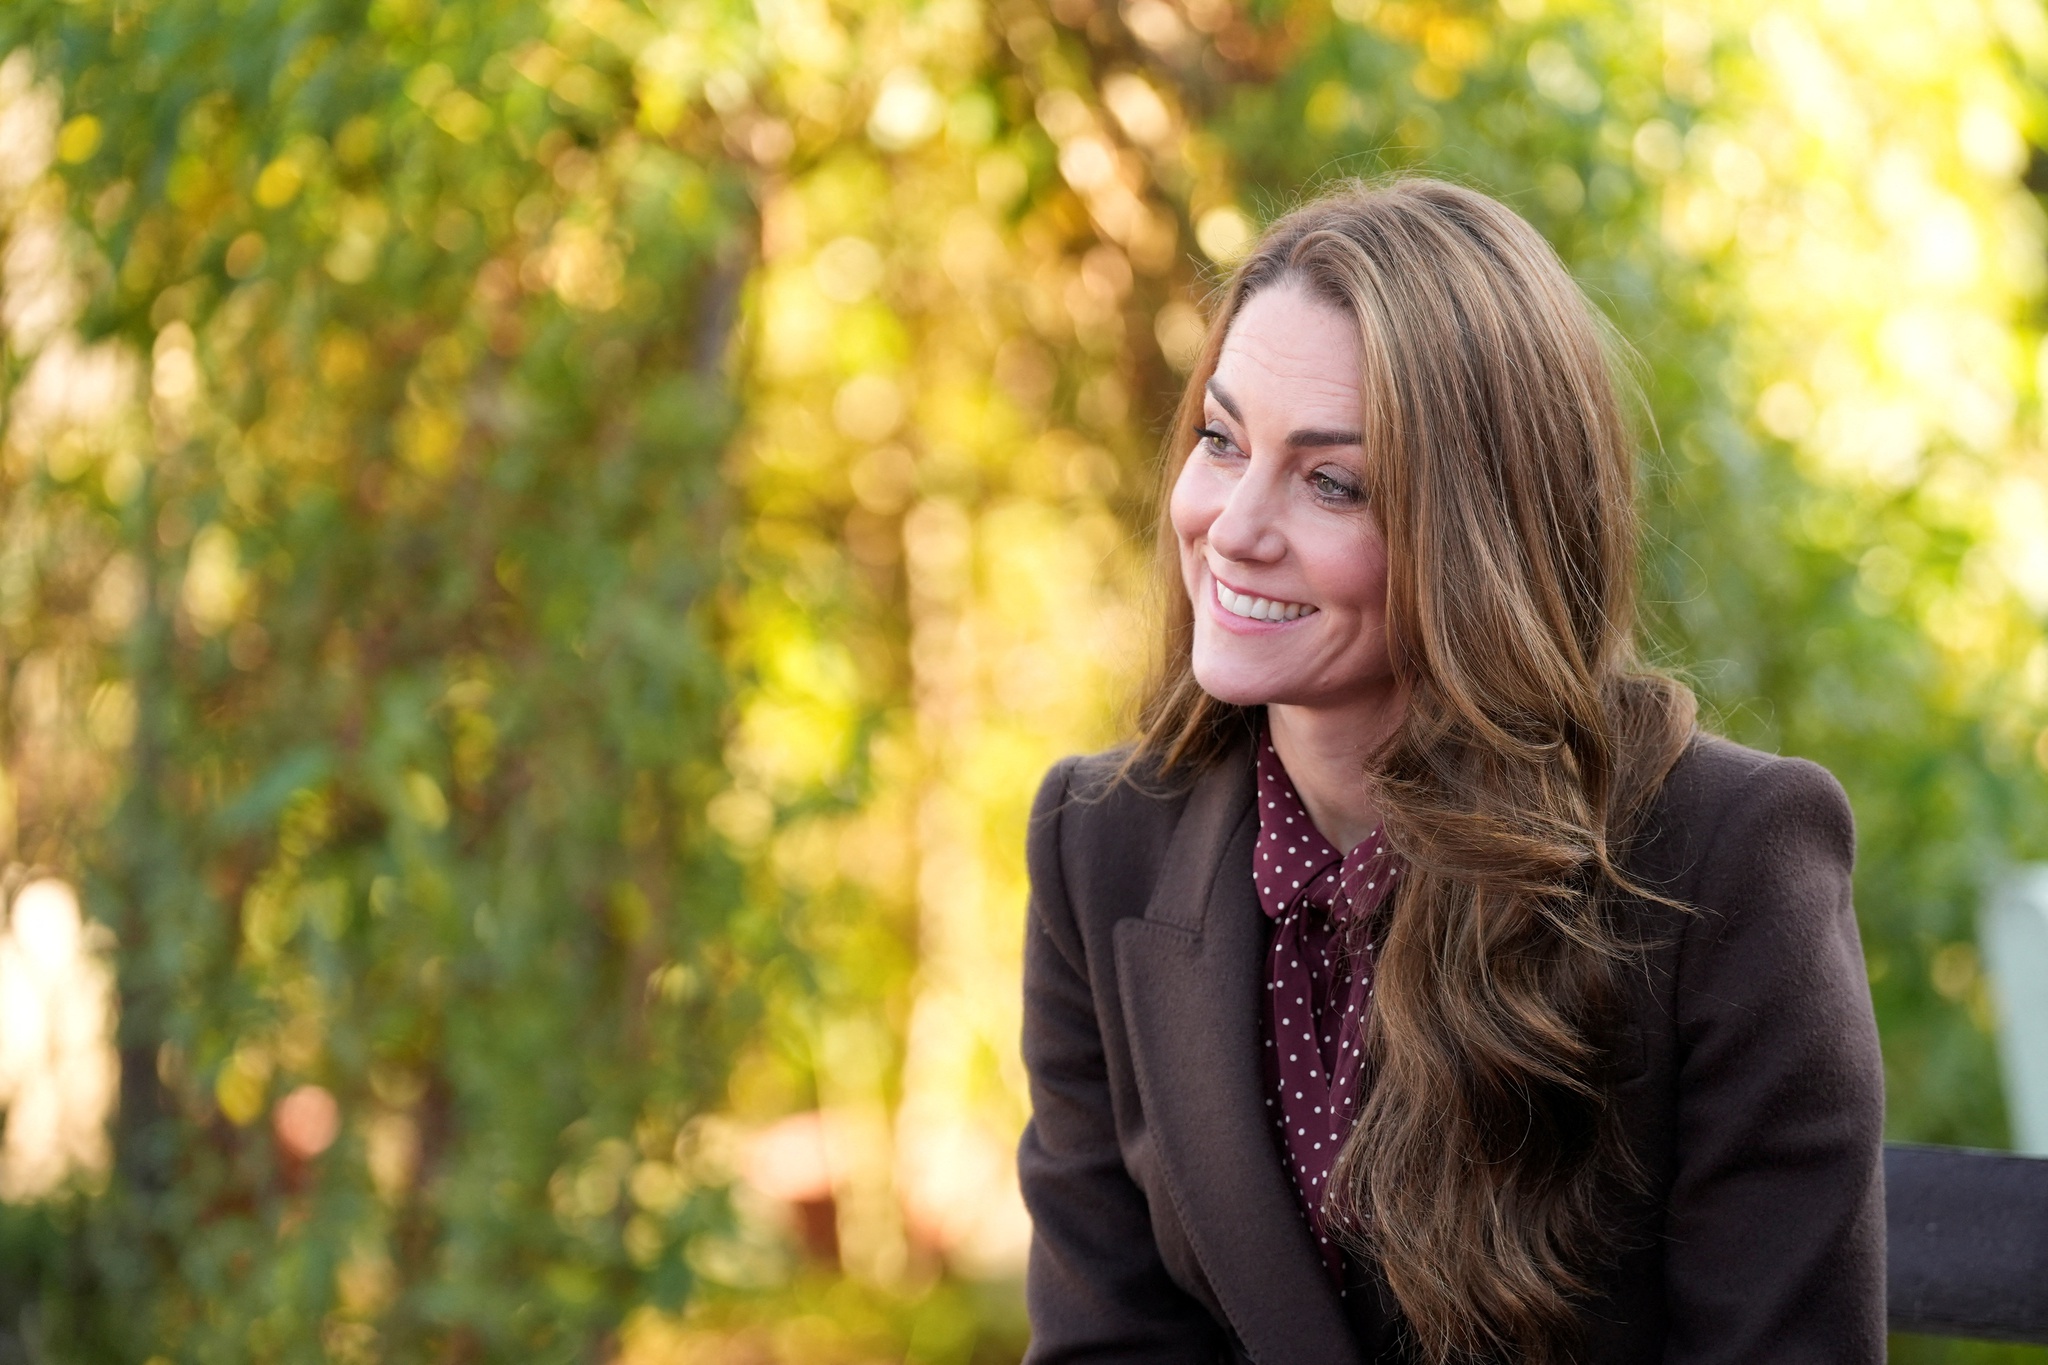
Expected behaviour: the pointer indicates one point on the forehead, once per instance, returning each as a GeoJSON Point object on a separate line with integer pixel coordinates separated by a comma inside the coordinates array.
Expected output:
{"type": "Point", "coordinates": [1290, 350]}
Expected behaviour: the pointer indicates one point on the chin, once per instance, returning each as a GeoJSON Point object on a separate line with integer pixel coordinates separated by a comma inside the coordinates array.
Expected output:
{"type": "Point", "coordinates": [1233, 687]}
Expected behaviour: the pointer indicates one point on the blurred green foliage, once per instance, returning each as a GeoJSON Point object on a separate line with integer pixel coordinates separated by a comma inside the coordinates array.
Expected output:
{"type": "Point", "coordinates": [416, 529]}
{"type": "Point", "coordinates": [619, 502]}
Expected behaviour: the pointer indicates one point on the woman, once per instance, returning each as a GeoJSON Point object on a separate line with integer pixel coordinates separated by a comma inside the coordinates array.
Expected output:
{"type": "Point", "coordinates": [1422, 984]}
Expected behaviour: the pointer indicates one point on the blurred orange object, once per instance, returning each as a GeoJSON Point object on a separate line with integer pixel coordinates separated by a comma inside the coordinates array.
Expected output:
{"type": "Point", "coordinates": [307, 1121]}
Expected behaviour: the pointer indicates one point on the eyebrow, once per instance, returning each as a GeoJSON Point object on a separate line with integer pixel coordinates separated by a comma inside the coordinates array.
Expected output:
{"type": "Point", "coordinates": [1305, 438]}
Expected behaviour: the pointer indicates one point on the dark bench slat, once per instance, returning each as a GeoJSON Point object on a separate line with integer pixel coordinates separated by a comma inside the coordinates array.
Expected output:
{"type": "Point", "coordinates": [1967, 1243]}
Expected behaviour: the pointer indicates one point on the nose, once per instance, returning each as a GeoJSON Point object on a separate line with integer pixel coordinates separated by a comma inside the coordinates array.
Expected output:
{"type": "Point", "coordinates": [1247, 530]}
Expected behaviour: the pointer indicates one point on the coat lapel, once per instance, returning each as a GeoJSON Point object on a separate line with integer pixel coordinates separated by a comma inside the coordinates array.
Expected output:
{"type": "Point", "coordinates": [1190, 974]}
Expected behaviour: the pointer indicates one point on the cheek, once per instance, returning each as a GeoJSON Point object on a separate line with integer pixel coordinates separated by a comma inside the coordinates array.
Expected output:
{"type": "Point", "coordinates": [1183, 505]}
{"type": "Point", "coordinates": [1190, 508]}
{"type": "Point", "coordinates": [1349, 570]}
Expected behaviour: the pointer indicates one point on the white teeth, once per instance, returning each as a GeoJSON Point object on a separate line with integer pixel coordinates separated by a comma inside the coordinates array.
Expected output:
{"type": "Point", "coordinates": [1259, 608]}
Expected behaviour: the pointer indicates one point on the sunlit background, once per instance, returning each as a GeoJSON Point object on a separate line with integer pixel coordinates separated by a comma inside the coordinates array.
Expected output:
{"type": "Point", "coordinates": [547, 546]}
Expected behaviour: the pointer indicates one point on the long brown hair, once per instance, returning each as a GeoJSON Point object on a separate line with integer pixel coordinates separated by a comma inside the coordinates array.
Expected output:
{"type": "Point", "coordinates": [1500, 467]}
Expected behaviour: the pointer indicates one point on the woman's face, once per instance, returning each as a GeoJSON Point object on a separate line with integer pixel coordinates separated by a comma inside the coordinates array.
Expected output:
{"type": "Point", "coordinates": [1282, 559]}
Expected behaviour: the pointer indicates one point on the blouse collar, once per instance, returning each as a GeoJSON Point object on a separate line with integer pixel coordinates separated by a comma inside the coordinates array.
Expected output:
{"type": "Point", "coordinates": [1295, 862]}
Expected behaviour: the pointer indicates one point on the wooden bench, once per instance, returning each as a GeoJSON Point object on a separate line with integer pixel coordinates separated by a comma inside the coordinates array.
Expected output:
{"type": "Point", "coordinates": [1966, 1239]}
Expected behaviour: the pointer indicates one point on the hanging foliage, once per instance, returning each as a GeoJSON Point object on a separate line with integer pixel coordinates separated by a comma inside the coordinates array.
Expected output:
{"type": "Point", "coordinates": [391, 570]}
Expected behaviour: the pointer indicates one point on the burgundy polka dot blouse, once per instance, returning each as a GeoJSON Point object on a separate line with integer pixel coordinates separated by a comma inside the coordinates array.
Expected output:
{"type": "Point", "coordinates": [1317, 993]}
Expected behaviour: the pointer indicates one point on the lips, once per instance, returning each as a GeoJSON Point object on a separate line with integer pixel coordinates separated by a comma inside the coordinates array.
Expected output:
{"type": "Point", "coordinates": [1253, 608]}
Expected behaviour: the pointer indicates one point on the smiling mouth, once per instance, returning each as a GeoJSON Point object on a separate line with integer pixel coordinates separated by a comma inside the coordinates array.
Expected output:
{"type": "Point", "coordinates": [1258, 608]}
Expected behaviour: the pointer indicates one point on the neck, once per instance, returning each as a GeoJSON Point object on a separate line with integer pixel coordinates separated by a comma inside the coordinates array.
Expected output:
{"type": "Point", "coordinates": [1326, 750]}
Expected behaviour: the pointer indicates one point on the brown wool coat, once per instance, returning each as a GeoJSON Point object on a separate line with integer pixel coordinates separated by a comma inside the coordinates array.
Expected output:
{"type": "Point", "coordinates": [1164, 1227]}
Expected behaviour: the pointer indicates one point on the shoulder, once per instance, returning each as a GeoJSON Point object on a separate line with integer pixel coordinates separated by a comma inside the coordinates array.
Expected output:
{"type": "Point", "coordinates": [1715, 775]}
{"type": "Point", "coordinates": [1725, 809]}
{"type": "Point", "coordinates": [1103, 830]}
{"type": "Point", "coordinates": [1760, 852]}
{"type": "Point", "coordinates": [1103, 805]}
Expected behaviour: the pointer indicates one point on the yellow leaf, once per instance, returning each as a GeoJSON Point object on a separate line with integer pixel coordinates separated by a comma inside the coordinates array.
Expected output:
{"type": "Point", "coordinates": [79, 139]}
{"type": "Point", "coordinates": [279, 183]}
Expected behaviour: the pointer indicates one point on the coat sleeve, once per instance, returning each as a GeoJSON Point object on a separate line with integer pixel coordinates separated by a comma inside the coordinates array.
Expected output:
{"type": "Point", "coordinates": [1095, 1286]}
{"type": "Point", "coordinates": [1775, 1231]}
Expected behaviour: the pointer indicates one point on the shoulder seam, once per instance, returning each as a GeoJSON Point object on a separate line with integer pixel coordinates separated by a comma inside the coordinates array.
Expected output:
{"type": "Point", "coordinates": [1765, 778]}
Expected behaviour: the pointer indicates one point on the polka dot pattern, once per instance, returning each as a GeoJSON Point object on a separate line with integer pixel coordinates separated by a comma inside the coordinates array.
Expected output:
{"type": "Point", "coordinates": [1318, 991]}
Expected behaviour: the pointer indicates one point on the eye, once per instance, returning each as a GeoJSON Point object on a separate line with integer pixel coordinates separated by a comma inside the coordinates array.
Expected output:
{"type": "Point", "coordinates": [1214, 442]}
{"type": "Point", "coordinates": [1334, 487]}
